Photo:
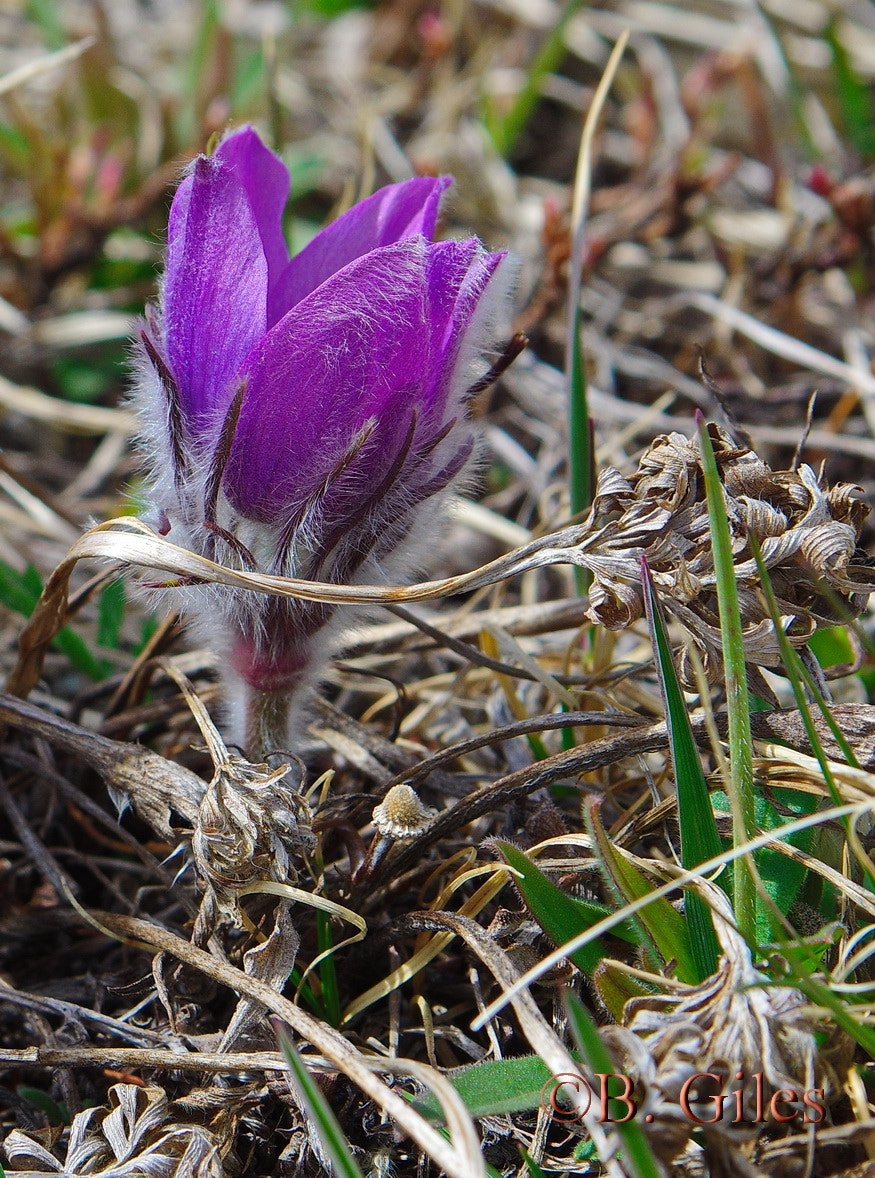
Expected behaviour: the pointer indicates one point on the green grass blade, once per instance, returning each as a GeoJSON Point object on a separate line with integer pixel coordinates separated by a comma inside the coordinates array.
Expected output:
{"type": "Point", "coordinates": [698, 828]}
{"type": "Point", "coordinates": [740, 786]}
{"type": "Point", "coordinates": [505, 131]}
{"type": "Point", "coordinates": [852, 94]}
{"type": "Point", "coordinates": [581, 462]}
{"type": "Point", "coordinates": [820, 994]}
{"type": "Point", "coordinates": [796, 668]}
{"type": "Point", "coordinates": [328, 971]}
{"type": "Point", "coordinates": [797, 673]}
{"type": "Point", "coordinates": [640, 1162]}
{"type": "Point", "coordinates": [534, 1169]}
{"type": "Point", "coordinates": [330, 1133]}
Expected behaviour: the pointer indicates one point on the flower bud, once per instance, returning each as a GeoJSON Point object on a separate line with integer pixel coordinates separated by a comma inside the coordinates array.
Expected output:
{"type": "Point", "coordinates": [304, 417]}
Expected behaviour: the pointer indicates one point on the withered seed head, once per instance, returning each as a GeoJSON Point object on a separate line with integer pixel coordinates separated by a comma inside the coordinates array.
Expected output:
{"type": "Point", "coordinates": [807, 531]}
{"type": "Point", "coordinates": [733, 1025]}
{"type": "Point", "coordinates": [252, 824]}
{"type": "Point", "coordinates": [401, 814]}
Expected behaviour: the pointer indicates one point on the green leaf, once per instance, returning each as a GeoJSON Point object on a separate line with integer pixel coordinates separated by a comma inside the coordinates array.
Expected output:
{"type": "Point", "coordinates": [82, 380]}
{"type": "Point", "coordinates": [561, 917]}
{"type": "Point", "coordinates": [306, 169]}
{"type": "Point", "coordinates": [330, 1133]}
{"type": "Point", "coordinates": [20, 592]}
{"type": "Point", "coordinates": [17, 590]}
{"type": "Point", "coordinates": [46, 14]}
{"type": "Point", "coordinates": [56, 1113]}
{"type": "Point", "coordinates": [111, 615]}
{"type": "Point", "coordinates": [667, 930]}
{"type": "Point", "coordinates": [493, 1087]}
{"type": "Point", "coordinates": [79, 656]}
{"type": "Point", "coordinates": [248, 77]}
{"type": "Point", "coordinates": [831, 646]}
{"type": "Point", "coordinates": [700, 840]}
{"type": "Point", "coordinates": [782, 878]}
{"type": "Point", "coordinates": [15, 151]}
{"type": "Point", "coordinates": [328, 9]}
{"type": "Point", "coordinates": [740, 785]}
{"type": "Point", "coordinates": [852, 94]}
{"type": "Point", "coordinates": [640, 1162]}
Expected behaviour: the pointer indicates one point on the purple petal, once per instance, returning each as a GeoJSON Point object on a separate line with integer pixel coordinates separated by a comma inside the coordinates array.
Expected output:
{"type": "Point", "coordinates": [461, 298]}
{"type": "Point", "coordinates": [215, 289]}
{"type": "Point", "coordinates": [265, 180]}
{"type": "Point", "coordinates": [357, 349]}
{"type": "Point", "coordinates": [395, 213]}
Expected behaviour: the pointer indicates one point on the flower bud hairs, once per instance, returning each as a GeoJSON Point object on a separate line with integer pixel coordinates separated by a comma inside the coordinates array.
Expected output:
{"type": "Point", "coordinates": [304, 417]}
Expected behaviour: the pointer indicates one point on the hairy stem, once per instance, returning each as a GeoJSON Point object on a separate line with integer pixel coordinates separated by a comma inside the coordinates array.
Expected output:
{"type": "Point", "coordinates": [268, 717]}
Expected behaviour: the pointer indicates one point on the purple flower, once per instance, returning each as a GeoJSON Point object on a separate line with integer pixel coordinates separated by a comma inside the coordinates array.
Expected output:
{"type": "Point", "coordinates": [304, 417]}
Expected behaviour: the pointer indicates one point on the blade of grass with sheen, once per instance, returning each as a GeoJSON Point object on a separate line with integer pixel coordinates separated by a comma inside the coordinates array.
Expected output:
{"type": "Point", "coordinates": [330, 1133]}
{"type": "Point", "coordinates": [740, 787]}
{"type": "Point", "coordinates": [700, 840]}
{"type": "Point", "coordinates": [639, 1158]}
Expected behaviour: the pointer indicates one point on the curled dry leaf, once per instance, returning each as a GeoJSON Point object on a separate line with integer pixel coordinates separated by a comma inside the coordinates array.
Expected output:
{"type": "Point", "coordinates": [807, 531]}
{"type": "Point", "coordinates": [137, 1136]}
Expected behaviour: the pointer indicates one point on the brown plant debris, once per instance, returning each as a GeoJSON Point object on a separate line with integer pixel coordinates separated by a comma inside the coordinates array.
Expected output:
{"type": "Point", "coordinates": [808, 533]}
{"type": "Point", "coordinates": [137, 1136]}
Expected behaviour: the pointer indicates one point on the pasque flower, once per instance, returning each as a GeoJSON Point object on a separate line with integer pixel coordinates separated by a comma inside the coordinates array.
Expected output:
{"type": "Point", "coordinates": [304, 417]}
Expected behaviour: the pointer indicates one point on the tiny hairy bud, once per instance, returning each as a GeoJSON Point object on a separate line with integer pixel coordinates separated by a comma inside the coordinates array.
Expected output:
{"type": "Point", "coordinates": [401, 814]}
